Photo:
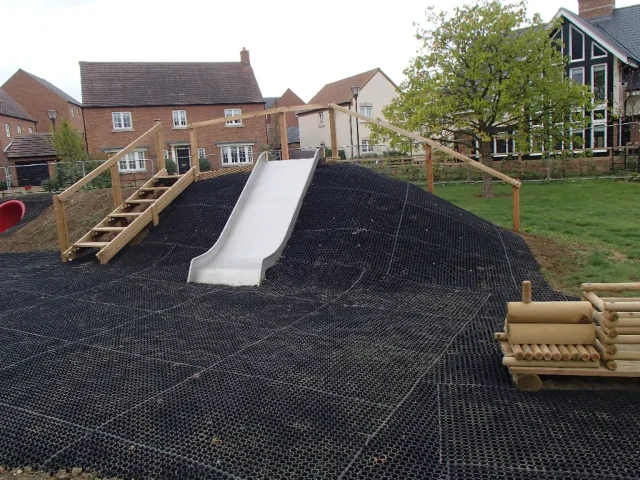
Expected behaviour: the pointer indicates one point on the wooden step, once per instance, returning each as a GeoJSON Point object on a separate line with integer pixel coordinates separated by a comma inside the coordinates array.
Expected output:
{"type": "Point", "coordinates": [124, 214]}
{"type": "Point", "coordinates": [90, 244]}
{"type": "Point", "coordinates": [167, 177]}
{"type": "Point", "coordinates": [108, 229]}
{"type": "Point", "coordinates": [154, 189]}
{"type": "Point", "coordinates": [141, 200]}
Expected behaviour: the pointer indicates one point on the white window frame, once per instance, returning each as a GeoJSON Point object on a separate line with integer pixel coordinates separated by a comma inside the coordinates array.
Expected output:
{"type": "Point", "coordinates": [366, 107]}
{"type": "Point", "coordinates": [7, 129]}
{"type": "Point", "coordinates": [202, 153]}
{"type": "Point", "coordinates": [232, 112]}
{"type": "Point", "coordinates": [600, 125]}
{"type": "Point", "coordinates": [320, 119]}
{"type": "Point", "coordinates": [121, 117]}
{"type": "Point", "coordinates": [593, 55]}
{"type": "Point", "coordinates": [603, 104]}
{"type": "Point", "coordinates": [19, 129]}
{"type": "Point", "coordinates": [133, 162]}
{"type": "Point", "coordinates": [507, 152]}
{"type": "Point", "coordinates": [583, 74]}
{"type": "Point", "coordinates": [179, 118]}
{"type": "Point", "coordinates": [72, 113]}
{"type": "Point", "coordinates": [30, 130]}
{"type": "Point", "coordinates": [366, 147]}
{"type": "Point", "coordinates": [243, 155]}
{"type": "Point", "coordinates": [571, 27]}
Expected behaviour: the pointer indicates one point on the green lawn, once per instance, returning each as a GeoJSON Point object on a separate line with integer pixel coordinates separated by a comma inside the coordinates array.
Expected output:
{"type": "Point", "coordinates": [597, 220]}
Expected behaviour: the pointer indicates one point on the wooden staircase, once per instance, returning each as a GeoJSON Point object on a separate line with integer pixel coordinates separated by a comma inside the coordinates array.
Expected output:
{"type": "Point", "coordinates": [132, 216]}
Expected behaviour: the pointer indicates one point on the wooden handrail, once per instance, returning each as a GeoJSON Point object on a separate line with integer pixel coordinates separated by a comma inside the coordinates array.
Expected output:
{"type": "Point", "coordinates": [258, 113]}
{"type": "Point", "coordinates": [107, 165]}
{"type": "Point", "coordinates": [432, 143]}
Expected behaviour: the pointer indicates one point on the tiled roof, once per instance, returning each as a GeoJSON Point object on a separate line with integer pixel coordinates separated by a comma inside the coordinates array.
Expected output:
{"type": "Point", "coordinates": [142, 84]}
{"type": "Point", "coordinates": [270, 102]}
{"type": "Point", "coordinates": [11, 108]}
{"type": "Point", "coordinates": [623, 26]}
{"type": "Point", "coordinates": [31, 145]}
{"type": "Point", "coordinates": [66, 97]}
{"type": "Point", "coordinates": [340, 91]}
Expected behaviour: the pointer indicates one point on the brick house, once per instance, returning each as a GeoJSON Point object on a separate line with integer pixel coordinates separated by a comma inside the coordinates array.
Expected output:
{"type": "Point", "coordinates": [14, 121]}
{"type": "Point", "coordinates": [32, 158]}
{"type": "Point", "coordinates": [287, 99]}
{"type": "Point", "coordinates": [37, 96]}
{"type": "Point", "coordinates": [121, 101]}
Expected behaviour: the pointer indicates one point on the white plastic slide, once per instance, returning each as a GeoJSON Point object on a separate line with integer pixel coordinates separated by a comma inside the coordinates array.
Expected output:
{"type": "Point", "coordinates": [260, 224]}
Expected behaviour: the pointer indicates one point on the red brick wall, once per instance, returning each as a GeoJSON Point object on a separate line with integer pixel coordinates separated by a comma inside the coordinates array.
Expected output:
{"type": "Point", "coordinates": [4, 140]}
{"type": "Point", "coordinates": [290, 99]}
{"type": "Point", "coordinates": [595, 8]}
{"type": "Point", "coordinates": [36, 99]}
{"type": "Point", "coordinates": [100, 133]}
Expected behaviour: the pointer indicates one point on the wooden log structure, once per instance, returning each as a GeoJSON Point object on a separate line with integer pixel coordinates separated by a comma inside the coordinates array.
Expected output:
{"type": "Point", "coordinates": [284, 138]}
{"type": "Point", "coordinates": [564, 352]}
{"type": "Point", "coordinates": [428, 161]}
{"type": "Point", "coordinates": [575, 354]}
{"type": "Point", "coordinates": [514, 362]}
{"type": "Point", "coordinates": [555, 333]}
{"type": "Point", "coordinates": [549, 312]}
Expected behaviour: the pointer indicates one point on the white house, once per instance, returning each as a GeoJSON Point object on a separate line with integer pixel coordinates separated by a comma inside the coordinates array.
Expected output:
{"type": "Point", "coordinates": [376, 91]}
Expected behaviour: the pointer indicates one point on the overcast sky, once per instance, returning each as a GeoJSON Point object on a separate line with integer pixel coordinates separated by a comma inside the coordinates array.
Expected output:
{"type": "Point", "coordinates": [297, 44]}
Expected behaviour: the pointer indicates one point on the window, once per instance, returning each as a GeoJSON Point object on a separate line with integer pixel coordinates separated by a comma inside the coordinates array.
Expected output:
{"type": "Point", "coordinates": [201, 153]}
{"type": "Point", "coordinates": [232, 112]}
{"type": "Point", "coordinates": [180, 118]}
{"type": "Point", "coordinates": [366, 146]}
{"type": "Point", "coordinates": [122, 120]}
{"type": "Point", "coordinates": [19, 129]}
{"type": "Point", "coordinates": [7, 129]}
{"type": "Point", "coordinates": [132, 162]}
{"type": "Point", "coordinates": [577, 44]}
{"type": "Point", "coordinates": [72, 112]}
{"type": "Point", "coordinates": [30, 130]}
{"type": "Point", "coordinates": [166, 154]}
{"type": "Point", "coordinates": [597, 51]}
{"type": "Point", "coordinates": [367, 111]}
{"type": "Point", "coordinates": [599, 84]}
{"type": "Point", "coordinates": [236, 154]}
{"type": "Point", "coordinates": [577, 75]}
{"type": "Point", "coordinates": [321, 119]}
{"type": "Point", "coordinates": [577, 135]}
{"type": "Point", "coordinates": [599, 136]}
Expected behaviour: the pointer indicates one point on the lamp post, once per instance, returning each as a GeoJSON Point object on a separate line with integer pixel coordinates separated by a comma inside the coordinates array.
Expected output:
{"type": "Point", "coordinates": [52, 116]}
{"type": "Point", "coordinates": [355, 91]}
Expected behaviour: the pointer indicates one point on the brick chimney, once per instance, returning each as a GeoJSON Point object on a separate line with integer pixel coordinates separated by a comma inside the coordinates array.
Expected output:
{"type": "Point", "coordinates": [244, 57]}
{"type": "Point", "coordinates": [595, 8]}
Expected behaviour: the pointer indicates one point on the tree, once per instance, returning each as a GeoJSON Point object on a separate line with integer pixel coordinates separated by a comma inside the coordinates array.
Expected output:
{"type": "Point", "coordinates": [488, 71]}
{"type": "Point", "coordinates": [68, 142]}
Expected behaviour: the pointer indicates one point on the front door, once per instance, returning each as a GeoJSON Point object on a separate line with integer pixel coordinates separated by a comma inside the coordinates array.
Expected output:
{"type": "Point", "coordinates": [184, 159]}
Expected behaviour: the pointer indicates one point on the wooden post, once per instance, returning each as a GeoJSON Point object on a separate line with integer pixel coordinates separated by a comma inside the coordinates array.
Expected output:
{"type": "Point", "coordinates": [284, 138]}
{"type": "Point", "coordinates": [115, 185]}
{"type": "Point", "coordinates": [159, 147]}
{"type": "Point", "coordinates": [334, 135]}
{"type": "Point", "coordinates": [195, 158]}
{"type": "Point", "coordinates": [61, 223]}
{"type": "Point", "coordinates": [526, 291]}
{"type": "Point", "coordinates": [516, 208]}
{"type": "Point", "coordinates": [428, 160]}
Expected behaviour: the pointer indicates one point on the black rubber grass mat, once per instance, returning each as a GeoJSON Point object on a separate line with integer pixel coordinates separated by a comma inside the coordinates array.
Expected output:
{"type": "Point", "coordinates": [346, 368]}
{"type": "Point", "coordinates": [252, 427]}
{"type": "Point", "coordinates": [367, 352]}
{"type": "Point", "coordinates": [86, 386]}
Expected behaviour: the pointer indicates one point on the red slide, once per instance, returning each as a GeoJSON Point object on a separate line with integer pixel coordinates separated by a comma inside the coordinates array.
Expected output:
{"type": "Point", "coordinates": [11, 212]}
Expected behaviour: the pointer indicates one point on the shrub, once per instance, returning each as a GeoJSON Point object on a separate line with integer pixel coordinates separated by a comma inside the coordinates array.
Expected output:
{"type": "Point", "coordinates": [205, 164]}
{"type": "Point", "coordinates": [51, 185]}
{"type": "Point", "coordinates": [171, 166]}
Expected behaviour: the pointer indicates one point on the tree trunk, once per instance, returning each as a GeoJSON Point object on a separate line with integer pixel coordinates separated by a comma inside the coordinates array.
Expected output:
{"type": "Point", "coordinates": [486, 158]}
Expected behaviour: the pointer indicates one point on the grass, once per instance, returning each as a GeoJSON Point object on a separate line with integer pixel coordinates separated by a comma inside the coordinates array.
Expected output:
{"type": "Point", "coordinates": [596, 222]}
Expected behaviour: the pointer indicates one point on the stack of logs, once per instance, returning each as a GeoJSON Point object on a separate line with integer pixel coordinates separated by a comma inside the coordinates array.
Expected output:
{"type": "Point", "coordinates": [618, 324]}
{"type": "Point", "coordinates": [570, 338]}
